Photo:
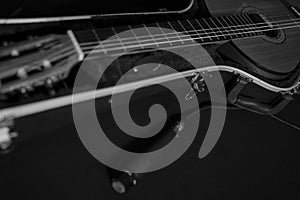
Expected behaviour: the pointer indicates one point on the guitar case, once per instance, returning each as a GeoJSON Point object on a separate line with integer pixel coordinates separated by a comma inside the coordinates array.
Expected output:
{"type": "Point", "coordinates": [54, 131]}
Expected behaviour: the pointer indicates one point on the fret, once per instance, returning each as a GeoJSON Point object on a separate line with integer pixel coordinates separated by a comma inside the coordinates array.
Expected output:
{"type": "Point", "coordinates": [216, 27]}
{"type": "Point", "coordinates": [233, 23]}
{"type": "Point", "coordinates": [142, 36]}
{"type": "Point", "coordinates": [190, 30]}
{"type": "Point", "coordinates": [135, 36]}
{"type": "Point", "coordinates": [203, 29]}
{"type": "Point", "coordinates": [248, 29]}
{"type": "Point", "coordinates": [166, 28]}
{"type": "Point", "coordinates": [180, 24]}
{"type": "Point", "coordinates": [249, 20]}
{"type": "Point", "coordinates": [103, 33]}
{"type": "Point", "coordinates": [178, 36]}
{"type": "Point", "coordinates": [230, 30]}
{"type": "Point", "coordinates": [99, 41]}
{"type": "Point", "coordinates": [208, 28]}
{"type": "Point", "coordinates": [188, 40]}
{"type": "Point", "coordinates": [247, 32]}
{"type": "Point", "coordinates": [187, 30]}
{"type": "Point", "coordinates": [95, 39]}
{"type": "Point", "coordinates": [177, 26]}
{"type": "Point", "coordinates": [149, 33]}
{"type": "Point", "coordinates": [166, 34]}
{"type": "Point", "coordinates": [195, 30]}
{"type": "Point", "coordinates": [227, 34]}
{"type": "Point", "coordinates": [119, 40]}
{"type": "Point", "coordinates": [158, 34]}
{"type": "Point", "coordinates": [86, 38]}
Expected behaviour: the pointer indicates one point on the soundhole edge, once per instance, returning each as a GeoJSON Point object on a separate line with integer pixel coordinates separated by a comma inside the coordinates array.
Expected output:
{"type": "Point", "coordinates": [275, 36]}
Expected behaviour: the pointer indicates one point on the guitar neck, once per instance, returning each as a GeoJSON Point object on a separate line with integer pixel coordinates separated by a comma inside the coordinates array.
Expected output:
{"type": "Point", "coordinates": [168, 34]}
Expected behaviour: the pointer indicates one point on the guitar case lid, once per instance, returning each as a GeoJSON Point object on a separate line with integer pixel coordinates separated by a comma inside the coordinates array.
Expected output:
{"type": "Point", "coordinates": [77, 9]}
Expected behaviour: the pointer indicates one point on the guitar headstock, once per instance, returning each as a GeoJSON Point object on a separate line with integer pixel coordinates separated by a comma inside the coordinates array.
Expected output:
{"type": "Point", "coordinates": [38, 61]}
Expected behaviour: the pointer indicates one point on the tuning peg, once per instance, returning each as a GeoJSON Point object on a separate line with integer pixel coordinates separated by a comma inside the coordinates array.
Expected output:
{"type": "Point", "coordinates": [14, 53]}
{"type": "Point", "coordinates": [49, 85]}
{"type": "Point", "coordinates": [26, 89]}
{"type": "Point", "coordinates": [49, 82]}
{"type": "Point", "coordinates": [23, 90]}
{"type": "Point", "coordinates": [21, 73]}
{"type": "Point", "coordinates": [47, 64]}
{"type": "Point", "coordinates": [7, 137]}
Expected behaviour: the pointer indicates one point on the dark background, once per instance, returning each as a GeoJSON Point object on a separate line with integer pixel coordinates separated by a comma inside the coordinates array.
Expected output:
{"type": "Point", "coordinates": [256, 157]}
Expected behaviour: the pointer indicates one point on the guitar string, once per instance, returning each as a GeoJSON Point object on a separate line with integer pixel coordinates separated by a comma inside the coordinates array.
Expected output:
{"type": "Point", "coordinates": [228, 28]}
{"type": "Point", "coordinates": [180, 39]}
{"type": "Point", "coordinates": [187, 38]}
{"type": "Point", "coordinates": [198, 30]}
{"type": "Point", "coordinates": [94, 56]}
{"type": "Point", "coordinates": [273, 12]}
{"type": "Point", "coordinates": [209, 29]}
{"type": "Point", "coordinates": [212, 28]}
{"type": "Point", "coordinates": [147, 50]}
{"type": "Point", "coordinates": [190, 36]}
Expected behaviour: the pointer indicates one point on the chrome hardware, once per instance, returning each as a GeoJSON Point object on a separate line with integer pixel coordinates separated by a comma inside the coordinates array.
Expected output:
{"type": "Point", "coordinates": [198, 85]}
{"type": "Point", "coordinates": [7, 135]}
{"type": "Point", "coordinates": [293, 91]}
{"type": "Point", "coordinates": [179, 127]}
{"type": "Point", "coordinates": [30, 63]}
{"type": "Point", "coordinates": [124, 182]}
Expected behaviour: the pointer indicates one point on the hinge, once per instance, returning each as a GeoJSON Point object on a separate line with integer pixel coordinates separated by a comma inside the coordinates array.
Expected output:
{"type": "Point", "coordinates": [292, 92]}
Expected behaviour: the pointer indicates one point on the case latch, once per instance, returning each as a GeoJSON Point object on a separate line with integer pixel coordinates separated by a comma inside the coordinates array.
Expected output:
{"type": "Point", "coordinates": [198, 85]}
{"type": "Point", "coordinates": [254, 105]}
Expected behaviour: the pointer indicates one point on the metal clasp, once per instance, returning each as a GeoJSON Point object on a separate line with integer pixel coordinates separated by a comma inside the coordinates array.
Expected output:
{"type": "Point", "coordinates": [198, 85]}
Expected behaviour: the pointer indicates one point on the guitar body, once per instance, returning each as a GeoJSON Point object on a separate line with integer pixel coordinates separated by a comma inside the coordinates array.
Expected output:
{"type": "Point", "coordinates": [280, 57]}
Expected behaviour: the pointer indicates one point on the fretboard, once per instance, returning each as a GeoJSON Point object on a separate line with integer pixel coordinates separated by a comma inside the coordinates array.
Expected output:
{"type": "Point", "coordinates": [162, 34]}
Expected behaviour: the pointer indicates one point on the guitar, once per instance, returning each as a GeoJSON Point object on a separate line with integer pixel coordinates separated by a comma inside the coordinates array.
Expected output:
{"type": "Point", "coordinates": [258, 43]}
